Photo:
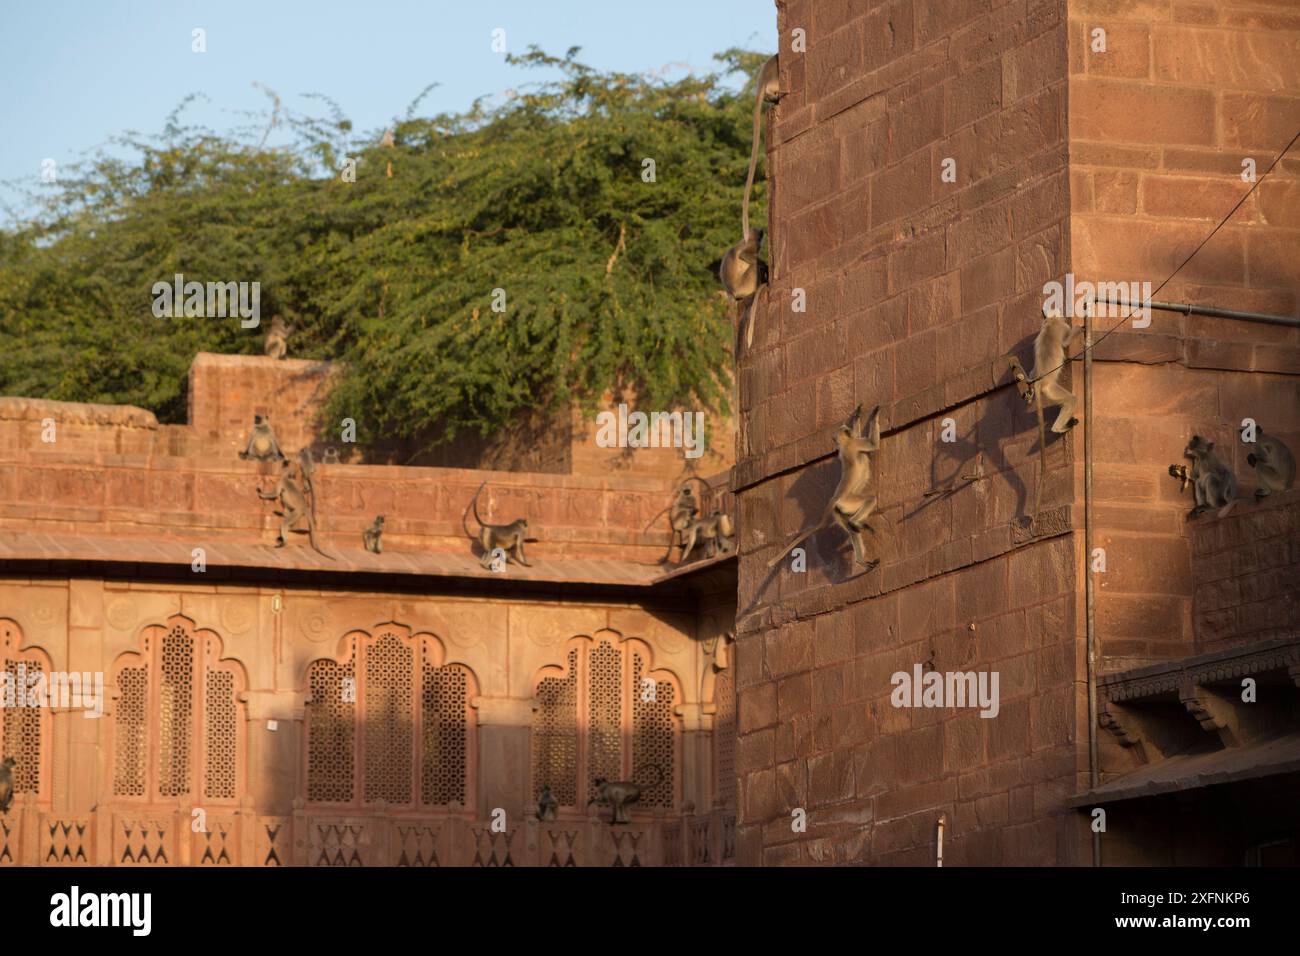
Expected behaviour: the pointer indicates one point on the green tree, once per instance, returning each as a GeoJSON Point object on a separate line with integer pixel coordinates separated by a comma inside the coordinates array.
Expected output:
{"type": "Point", "coordinates": [609, 281]}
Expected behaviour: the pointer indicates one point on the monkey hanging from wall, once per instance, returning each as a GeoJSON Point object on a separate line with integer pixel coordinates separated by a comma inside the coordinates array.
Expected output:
{"type": "Point", "coordinates": [277, 339]}
{"type": "Point", "coordinates": [262, 445]}
{"type": "Point", "coordinates": [850, 506]}
{"type": "Point", "coordinates": [768, 91]}
{"type": "Point", "coordinates": [1213, 483]}
{"type": "Point", "coordinates": [372, 536]}
{"type": "Point", "coordinates": [621, 794]}
{"type": "Point", "coordinates": [743, 273]}
{"type": "Point", "coordinates": [294, 507]}
{"type": "Point", "coordinates": [498, 537]}
{"type": "Point", "coordinates": [1051, 355]}
{"type": "Point", "coordinates": [1273, 463]}
{"type": "Point", "coordinates": [717, 659]}
{"type": "Point", "coordinates": [6, 784]}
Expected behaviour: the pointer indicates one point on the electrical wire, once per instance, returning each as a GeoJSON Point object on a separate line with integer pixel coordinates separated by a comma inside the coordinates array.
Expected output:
{"type": "Point", "coordinates": [1222, 222]}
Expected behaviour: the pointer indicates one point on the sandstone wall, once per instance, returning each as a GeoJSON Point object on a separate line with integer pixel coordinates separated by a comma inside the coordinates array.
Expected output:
{"type": "Point", "coordinates": [1161, 125]}
{"type": "Point", "coordinates": [915, 286]}
{"type": "Point", "coordinates": [269, 636]}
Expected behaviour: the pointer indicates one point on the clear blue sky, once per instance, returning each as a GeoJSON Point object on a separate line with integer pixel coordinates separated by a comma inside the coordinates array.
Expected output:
{"type": "Point", "coordinates": [75, 72]}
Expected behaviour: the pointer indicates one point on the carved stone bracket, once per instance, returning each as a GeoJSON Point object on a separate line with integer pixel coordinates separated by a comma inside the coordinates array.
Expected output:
{"type": "Point", "coordinates": [1214, 712]}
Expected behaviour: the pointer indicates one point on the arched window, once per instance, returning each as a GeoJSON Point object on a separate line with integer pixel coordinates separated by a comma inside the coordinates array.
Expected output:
{"type": "Point", "coordinates": [25, 732]}
{"type": "Point", "coordinates": [605, 714]}
{"type": "Point", "coordinates": [178, 729]}
{"type": "Point", "coordinates": [388, 721]}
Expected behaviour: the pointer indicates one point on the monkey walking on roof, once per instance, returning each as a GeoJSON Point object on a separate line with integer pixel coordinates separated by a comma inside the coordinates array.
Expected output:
{"type": "Point", "coordinates": [294, 507]}
{"type": "Point", "coordinates": [494, 537]}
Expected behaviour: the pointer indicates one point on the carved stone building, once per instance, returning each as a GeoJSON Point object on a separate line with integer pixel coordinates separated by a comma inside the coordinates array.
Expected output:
{"type": "Point", "coordinates": [933, 165]}
{"type": "Point", "coordinates": [271, 706]}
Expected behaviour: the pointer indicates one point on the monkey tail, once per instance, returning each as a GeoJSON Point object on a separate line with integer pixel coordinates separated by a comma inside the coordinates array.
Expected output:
{"type": "Point", "coordinates": [1223, 512]}
{"type": "Point", "coordinates": [311, 536]}
{"type": "Point", "coordinates": [659, 774]}
{"type": "Point", "coordinates": [472, 505]}
{"type": "Point", "coordinates": [798, 539]}
{"type": "Point", "coordinates": [753, 158]}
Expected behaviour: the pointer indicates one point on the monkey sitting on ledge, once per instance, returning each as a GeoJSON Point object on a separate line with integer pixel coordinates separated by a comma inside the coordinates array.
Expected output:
{"type": "Point", "coordinates": [6, 783]}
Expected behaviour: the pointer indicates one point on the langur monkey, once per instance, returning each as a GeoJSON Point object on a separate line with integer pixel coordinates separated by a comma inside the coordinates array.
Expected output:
{"type": "Point", "coordinates": [1213, 483]}
{"type": "Point", "coordinates": [1051, 354]}
{"type": "Point", "coordinates": [277, 339]}
{"type": "Point", "coordinates": [769, 91]}
{"type": "Point", "coordinates": [547, 805]}
{"type": "Point", "coordinates": [262, 445]}
{"type": "Point", "coordinates": [371, 536]}
{"type": "Point", "coordinates": [684, 510]}
{"type": "Point", "coordinates": [307, 472]}
{"type": "Point", "coordinates": [331, 456]}
{"type": "Point", "coordinates": [716, 531]}
{"type": "Point", "coordinates": [1273, 463]}
{"type": "Point", "coordinates": [850, 506]}
{"type": "Point", "coordinates": [620, 794]}
{"type": "Point", "coordinates": [742, 273]}
{"type": "Point", "coordinates": [503, 536]}
{"type": "Point", "coordinates": [293, 508]}
{"type": "Point", "coordinates": [6, 784]}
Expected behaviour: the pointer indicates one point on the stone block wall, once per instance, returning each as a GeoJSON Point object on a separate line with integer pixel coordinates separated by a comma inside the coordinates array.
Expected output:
{"type": "Point", "coordinates": [269, 635]}
{"type": "Point", "coordinates": [1112, 167]}
{"type": "Point", "coordinates": [1185, 98]}
{"type": "Point", "coordinates": [915, 286]}
{"type": "Point", "coordinates": [1246, 574]}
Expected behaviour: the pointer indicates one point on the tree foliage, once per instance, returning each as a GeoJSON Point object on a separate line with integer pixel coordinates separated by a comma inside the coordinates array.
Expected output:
{"type": "Point", "coordinates": [395, 275]}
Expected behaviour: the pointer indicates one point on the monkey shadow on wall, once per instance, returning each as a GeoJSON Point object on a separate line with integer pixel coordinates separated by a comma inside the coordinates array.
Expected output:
{"type": "Point", "coordinates": [829, 551]}
{"type": "Point", "coordinates": [980, 455]}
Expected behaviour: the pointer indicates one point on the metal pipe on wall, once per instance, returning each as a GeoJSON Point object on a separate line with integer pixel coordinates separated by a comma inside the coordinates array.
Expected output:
{"type": "Point", "coordinates": [1208, 310]}
{"type": "Point", "coordinates": [1089, 594]}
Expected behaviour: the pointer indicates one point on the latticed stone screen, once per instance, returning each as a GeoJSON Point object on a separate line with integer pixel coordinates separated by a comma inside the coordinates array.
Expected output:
{"type": "Point", "coordinates": [653, 734]}
{"type": "Point", "coordinates": [131, 733]}
{"type": "Point", "coordinates": [555, 735]}
{"type": "Point", "coordinates": [445, 720]}
{"type": "Point", "coordinates": [604, 719]}
{"type": "Point", "coordinates": [605, 713]}
{"type": "Point", "coordinates": [22, 729]}
{"type": "Point", "coordinates": [399, 716]}
{"type": "Point", "coordinates": [220, 735]}
{"type": "Point", "coordinates": [175, 713]}
{"type": "Point", "coordinates": [331, 723]}
{"type": "Point", "coordinates": [387, 725]}
{"type": "Point", "coordinates": [174, 700]}
{"type": "Point", "coordinates": [724, 738]}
